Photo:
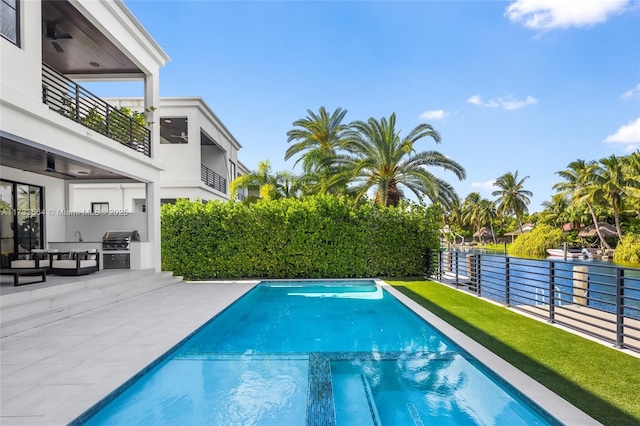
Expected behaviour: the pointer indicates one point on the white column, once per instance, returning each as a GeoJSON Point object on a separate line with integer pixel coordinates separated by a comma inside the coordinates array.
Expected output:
{"type": "Point", "coordinates": [152, 100]}
{"type": "Point", "coordinates": [153, 222]}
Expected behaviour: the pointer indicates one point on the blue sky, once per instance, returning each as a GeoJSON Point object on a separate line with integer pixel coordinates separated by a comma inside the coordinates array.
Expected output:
{"type": "Point", "coordinates": [527, 85]}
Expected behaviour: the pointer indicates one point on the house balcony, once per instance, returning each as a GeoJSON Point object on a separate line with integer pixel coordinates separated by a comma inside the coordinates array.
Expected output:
{"type": "Point", "coordinates": [76, 103]}
{"type": "Point", "coordinates": [212, 179]}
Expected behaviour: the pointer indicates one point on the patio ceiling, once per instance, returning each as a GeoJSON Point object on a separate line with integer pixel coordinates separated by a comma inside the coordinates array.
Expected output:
{"type": "Point", "coordinates": [32, 159]}
{"type": "Point", "coordinates": [73, 45]}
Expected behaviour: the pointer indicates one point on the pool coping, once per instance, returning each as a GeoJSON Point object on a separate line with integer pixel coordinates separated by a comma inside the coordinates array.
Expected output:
{"type": "Point", "coordinates": [548, 400]}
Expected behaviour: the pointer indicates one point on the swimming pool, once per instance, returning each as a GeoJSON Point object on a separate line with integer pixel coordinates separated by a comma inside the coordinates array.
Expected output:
{"type": "Point", "coordinates": [321, 352]}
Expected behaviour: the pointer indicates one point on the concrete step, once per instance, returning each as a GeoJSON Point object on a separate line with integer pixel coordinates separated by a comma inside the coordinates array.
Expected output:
{"type": "Point", "coordinates": [43, 307]}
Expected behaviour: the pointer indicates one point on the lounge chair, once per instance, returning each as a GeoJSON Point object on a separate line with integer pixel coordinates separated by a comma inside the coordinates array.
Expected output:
{"type": "Point", "coordinates": [76, 263]}
{"type": "Point", "coordinates": [37, 258]}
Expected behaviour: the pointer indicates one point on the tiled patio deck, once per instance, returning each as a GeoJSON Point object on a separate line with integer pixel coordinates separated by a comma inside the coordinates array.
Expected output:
{"type": "Point", "coordinates": [53, 373]}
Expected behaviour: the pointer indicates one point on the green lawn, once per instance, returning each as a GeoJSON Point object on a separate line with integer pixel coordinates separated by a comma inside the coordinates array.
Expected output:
{"type": "Point", "coordinates": [601, 381]}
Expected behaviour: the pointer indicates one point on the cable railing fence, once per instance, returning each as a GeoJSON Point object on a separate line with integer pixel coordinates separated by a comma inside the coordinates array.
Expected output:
{"type": "Point", "coordinates": [596, 298]}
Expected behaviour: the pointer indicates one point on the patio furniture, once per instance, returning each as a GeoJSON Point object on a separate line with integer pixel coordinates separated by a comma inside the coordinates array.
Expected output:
{"type": "Point", "coordinates": [37, 258]}
{"type": "Point", "coordinates": [76, 262]}
{"type": "Point", "coordinates": [28, 272]}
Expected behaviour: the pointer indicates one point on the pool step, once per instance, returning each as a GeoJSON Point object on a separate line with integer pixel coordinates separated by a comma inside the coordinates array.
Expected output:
{"type": "Point", "coordinates": [354, 402]}
{"type": "Point", "coordinates": [338, 398]}
{"type": "Point", "coordinates": [31, 308]}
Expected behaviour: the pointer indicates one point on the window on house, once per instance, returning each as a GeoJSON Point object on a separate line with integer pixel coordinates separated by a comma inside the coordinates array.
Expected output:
{"type": "Point", "coordinates": [21, 218]}
{"type": "Point", "coordinates": [99, 207]}
{"type": "Point", "coordinates": [174, 130]}
{"type": "Point", "coordinates": [10, 20]}
{"type": "Point", "coordinates": [232, 169]}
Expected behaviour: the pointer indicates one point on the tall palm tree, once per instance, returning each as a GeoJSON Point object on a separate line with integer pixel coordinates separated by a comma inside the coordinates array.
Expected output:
{"type": "Point", "coordinates": [512, 197]}
{"type": "Point", "coordinates": [378, 158]}
{"type": "Point", "coordinates": [610, 177]}
{"type": "Point", "coordinates": [578, 185]}
{"type": "Point", "coordinates": [317, 139]}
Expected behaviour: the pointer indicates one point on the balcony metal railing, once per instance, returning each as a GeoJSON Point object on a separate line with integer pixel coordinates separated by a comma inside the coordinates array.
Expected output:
{"type": "Point", "coordinates": [593, 297]}
{"type": "Point", "coordinates": [212, 179]}
{"type": "Point", "coordinates": [78, 104]}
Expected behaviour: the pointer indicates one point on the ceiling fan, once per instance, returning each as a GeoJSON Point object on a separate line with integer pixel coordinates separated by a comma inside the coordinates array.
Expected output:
{"type": "Point", "coordinates": [54, 36]}
{"type": "Point", "coordinates": [51, 167]}
{"type": "Point", "coordinates": [182, 136]}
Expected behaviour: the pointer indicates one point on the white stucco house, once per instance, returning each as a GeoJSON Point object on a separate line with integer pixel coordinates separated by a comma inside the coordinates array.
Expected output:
{"type": "Point", "coordinates": [200, 157]}
{"type": "Point", "coordinates": [54, 134]}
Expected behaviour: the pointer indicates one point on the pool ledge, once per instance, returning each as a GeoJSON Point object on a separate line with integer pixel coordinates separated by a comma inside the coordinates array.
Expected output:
{"type": "Point", "coordinates": [555, 405]}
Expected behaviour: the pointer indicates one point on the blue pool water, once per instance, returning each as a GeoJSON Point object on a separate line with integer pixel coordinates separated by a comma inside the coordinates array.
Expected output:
{"type": "Point", "coordinates": [316, 353]}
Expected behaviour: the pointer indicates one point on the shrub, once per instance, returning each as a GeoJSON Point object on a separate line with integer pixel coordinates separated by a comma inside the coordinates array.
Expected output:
{"type": "Point", "coordinates": [628, 249]}
{"type": "Point", "coordinates": [318, 237]}
{"type": "Point", "coordinates": [536, 242]}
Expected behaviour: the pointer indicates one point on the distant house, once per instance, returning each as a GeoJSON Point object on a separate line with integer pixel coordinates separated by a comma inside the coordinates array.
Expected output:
{"type": "Point", "coordinates": [527, 227]}
{"type": "Point", "coordinates": [483, 235]}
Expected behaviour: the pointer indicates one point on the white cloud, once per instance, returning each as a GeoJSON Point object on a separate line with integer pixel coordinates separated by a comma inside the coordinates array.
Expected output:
{"type": "Point", "coordinates": [433, 114]}
{"type": "Point", "coordinates": [508, 103]}
{"type": "Point", "coordinates": [484, 185]}
{"type": "Point", "coordinates": [631, 94]}
{"type": "Point", "coordinates": [626, 134]}
{"type": "Point", "coordinates": [550, 14]}
{"type": "Point", "coordinates": [475, 99]}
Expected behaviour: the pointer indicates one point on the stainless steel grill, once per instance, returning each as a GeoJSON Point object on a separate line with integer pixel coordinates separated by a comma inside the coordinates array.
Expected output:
{"type": "Point", "coordinates": [119, 240]}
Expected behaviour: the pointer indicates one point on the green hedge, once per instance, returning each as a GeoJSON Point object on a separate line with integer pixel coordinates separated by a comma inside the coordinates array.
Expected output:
{"type": "Point", "coordinates": [318, 237]}
{"type": "Point", "coordinates": [536, 242]}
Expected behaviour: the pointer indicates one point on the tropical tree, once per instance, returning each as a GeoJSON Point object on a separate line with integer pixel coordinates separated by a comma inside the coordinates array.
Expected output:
{"type": "Point", "coordinates": [512, 197]}
{"type": "Point", "coordinates": [555, 211]}
{"type": "Point", "coordinates": [269, 185]}
{"type": "Point", "coordinates": [471, 210]}
{"type": "Point", "coordinates": [379, 159]}
{"type": "Point", "coordinates": [631, 166]}
{"type": "Point", "coordinates": [610, 179]}
{"type": "Point", "coordinates": [488, 213]}
{"type": "Point", "coordinates": [578, 185]}
{"type": "Point", "coordinates": [318, 138]}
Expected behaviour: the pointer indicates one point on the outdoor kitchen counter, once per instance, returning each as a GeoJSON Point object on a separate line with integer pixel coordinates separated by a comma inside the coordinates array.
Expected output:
{"type": "Point", "coordinates": [139, 250]}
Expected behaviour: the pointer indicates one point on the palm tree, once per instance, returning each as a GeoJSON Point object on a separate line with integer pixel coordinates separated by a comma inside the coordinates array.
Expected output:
{"type": "Point", "coordinates": [631, 165]}
{"type": "Point", "coordinates": [487, 213]}
{"type": "Point", "coordinates": [610, 178]}
{"type": "Point", "coordinates": [579, 186]}
{"type": "Point", "coordinates": [317, 139]}
{"type": "Point", "coordinates": [378, 158]}
{"type": "Point", "coordinates": [269, 185]}
{"type": "Point", "coordinates": [555, 211]}
{"type": "Point", "coordinates": [512, 197]}
{"type": "Point", "coordinates": [471, 209]}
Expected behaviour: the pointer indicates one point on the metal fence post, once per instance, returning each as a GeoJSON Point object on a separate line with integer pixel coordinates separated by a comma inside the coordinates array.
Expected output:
{"type": "Point", "coordinates": [552, 291]}
{"type": "Point", "coordinates": [457, 261]}
{"type": "Point", "coordinates": [619, 307]}
{"type": "Point", "coordinates": [477, 265]}
{"type": "Point", "coordinates": [506, 280]}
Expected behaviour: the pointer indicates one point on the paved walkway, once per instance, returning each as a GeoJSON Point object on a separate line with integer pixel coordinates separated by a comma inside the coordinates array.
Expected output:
{"type": "Point", "coordinates": [53, 373]}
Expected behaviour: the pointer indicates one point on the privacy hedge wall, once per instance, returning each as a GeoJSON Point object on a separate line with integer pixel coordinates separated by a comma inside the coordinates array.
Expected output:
{"type": "Point", "coordinates": [318, 237]}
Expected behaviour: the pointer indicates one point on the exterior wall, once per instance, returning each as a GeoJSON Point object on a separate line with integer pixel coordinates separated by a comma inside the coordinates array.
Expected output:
{"type": "Point", "coordinates": [20, 66]}
{"type": "Point", "coordinates": [24, 117]}
{"type": "Point", "coordinates": [181, 176]}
